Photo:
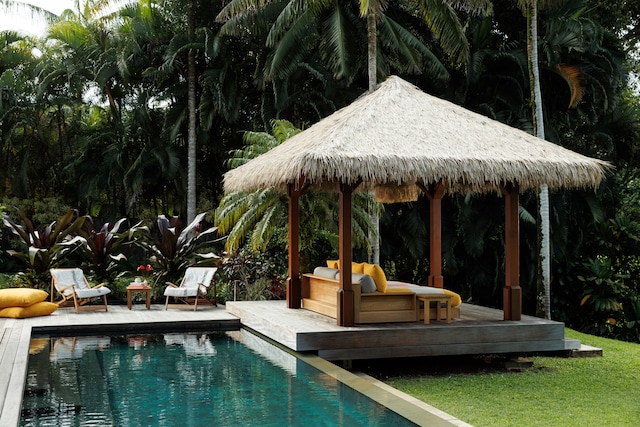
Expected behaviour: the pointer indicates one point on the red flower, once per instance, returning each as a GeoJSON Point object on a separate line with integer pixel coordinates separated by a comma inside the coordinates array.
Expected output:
{"type": "Point", "coordinates": [146, 268]}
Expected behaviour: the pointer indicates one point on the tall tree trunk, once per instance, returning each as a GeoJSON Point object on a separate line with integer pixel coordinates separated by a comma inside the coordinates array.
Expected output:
{"type": "Point", "coordinates": [372, 67]}
{"type": "Point", "coordinates": [191, 133]}
{"type": "Point", "coordinates": [538, 119]}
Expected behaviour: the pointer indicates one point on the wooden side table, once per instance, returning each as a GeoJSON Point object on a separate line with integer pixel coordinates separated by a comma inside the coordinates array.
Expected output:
{"type": "Point", "coordinates": [139, 287]}
{"type": "Point", "coordinates": [441, 300]}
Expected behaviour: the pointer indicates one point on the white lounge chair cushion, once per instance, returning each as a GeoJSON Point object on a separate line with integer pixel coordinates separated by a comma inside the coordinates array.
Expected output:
{"type": "Point", "coordinates": [75, 277]}
{"type": "Point", "coordinates": [93, 292]}
{"type": "Point", "coordinates": [181, 292]}
{"type": "Point", "coordinates": [193, 278]}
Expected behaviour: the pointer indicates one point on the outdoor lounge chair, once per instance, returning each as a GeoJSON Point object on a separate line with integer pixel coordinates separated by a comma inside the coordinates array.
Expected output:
{"type": "Point", "coordinates": [194, 287]}
{"type": "Point", "coordinates": [72, 285]}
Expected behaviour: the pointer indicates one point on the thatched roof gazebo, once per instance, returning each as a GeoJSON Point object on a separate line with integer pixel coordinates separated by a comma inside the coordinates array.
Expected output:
{"type": "Point", "coordinates": [398, 141]}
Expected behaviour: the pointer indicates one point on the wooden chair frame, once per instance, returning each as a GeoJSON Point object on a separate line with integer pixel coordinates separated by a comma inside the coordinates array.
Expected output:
{"type": "Point", "coordinates": [201, 293]}
{"type": "Point", "coordinates": [67, 297]}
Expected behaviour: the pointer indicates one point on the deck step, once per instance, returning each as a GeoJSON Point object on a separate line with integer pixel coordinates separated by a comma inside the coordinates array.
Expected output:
{"type": "Point", "coordinates": [571, 344]}
{"type": "Point", "coordinates": [586, 351]}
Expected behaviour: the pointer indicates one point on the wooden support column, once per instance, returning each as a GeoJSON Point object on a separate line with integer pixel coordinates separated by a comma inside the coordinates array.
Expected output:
{"type": "Point", "coordinates": [294, 283]}
{"type": "Point", "coordinates": [512, 293]}
{"type": "Point", "coordinates": [436, 191]}
{"type": "Point", "coordinates": [346, 310]}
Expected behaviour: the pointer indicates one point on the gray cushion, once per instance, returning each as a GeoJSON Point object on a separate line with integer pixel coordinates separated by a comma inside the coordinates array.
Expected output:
{"type": "Point", "coordinates": [367, 285]}
{"type": "Point", "coordinates": [329, 273]}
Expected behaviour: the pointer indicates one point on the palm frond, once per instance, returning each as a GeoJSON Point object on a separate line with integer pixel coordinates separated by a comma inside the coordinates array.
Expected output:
{"type": "Point", "coordinates": [443, 21]}
{"type": "Point", "coordinates": [338, 44]}
{"type": "Point", "coordinates": [413, 55]}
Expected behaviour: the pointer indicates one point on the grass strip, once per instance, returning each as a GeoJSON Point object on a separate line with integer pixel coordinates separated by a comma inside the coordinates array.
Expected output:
{"type": "Point", "coordinates": [557, 391]}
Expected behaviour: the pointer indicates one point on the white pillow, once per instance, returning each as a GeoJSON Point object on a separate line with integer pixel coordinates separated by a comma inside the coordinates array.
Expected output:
{"type": "Point", "coordinates": [329, 273]}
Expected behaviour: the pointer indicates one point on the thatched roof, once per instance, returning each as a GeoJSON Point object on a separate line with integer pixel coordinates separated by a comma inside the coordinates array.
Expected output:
{"type": "Point", "coordinates": [400, 135]}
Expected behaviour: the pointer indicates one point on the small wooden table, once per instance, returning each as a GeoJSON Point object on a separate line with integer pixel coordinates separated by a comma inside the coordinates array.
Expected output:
{"type": "Point", "coordinates": [441, 300]}
{"type": "Point", "coordinates": [139, 287]}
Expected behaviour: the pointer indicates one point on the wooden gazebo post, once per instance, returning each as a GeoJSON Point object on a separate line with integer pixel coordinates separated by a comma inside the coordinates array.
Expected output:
{"type": "Point", "coordinates": [345, 315]}
{"type": "Point", "coordinates": [512, 293]}
{"type": "Point", "coordinates": [435, 192]}
{"type": "Point", "coordinates": [294, 284]}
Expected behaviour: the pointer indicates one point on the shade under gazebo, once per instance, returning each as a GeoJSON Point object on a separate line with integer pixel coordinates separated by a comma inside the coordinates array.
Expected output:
{"type": "Point", "coordinates": [399, 139]}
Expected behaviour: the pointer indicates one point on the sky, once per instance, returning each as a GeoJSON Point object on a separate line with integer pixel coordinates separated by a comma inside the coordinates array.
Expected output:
{"type": "Point", "coordinates": [25, 24]}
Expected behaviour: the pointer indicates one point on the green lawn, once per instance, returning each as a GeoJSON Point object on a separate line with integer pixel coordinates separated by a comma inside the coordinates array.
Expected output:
{"type": "Point", "coordinates": [598, 391]}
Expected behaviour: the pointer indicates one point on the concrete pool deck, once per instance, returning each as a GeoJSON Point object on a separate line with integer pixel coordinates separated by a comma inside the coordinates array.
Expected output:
{"type": "Point", "coordinates": [15, 337]}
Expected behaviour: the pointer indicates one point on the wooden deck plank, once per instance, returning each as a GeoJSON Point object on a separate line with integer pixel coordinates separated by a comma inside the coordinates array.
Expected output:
{"type": "Point", "coordinates": [13, 369]}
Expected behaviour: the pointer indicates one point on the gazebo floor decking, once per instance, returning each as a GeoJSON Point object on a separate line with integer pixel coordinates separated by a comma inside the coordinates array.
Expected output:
{"type": "Point", "coordinates": [479, 330]}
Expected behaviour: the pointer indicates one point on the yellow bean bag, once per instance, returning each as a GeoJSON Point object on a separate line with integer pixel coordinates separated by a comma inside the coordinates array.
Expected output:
{"type": "Point", "coordinates": [21, 297]}
{"type": "Point", "coordinates": [38, 309]}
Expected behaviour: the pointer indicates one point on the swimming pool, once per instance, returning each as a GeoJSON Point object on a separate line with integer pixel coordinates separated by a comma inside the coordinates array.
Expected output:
{"type": "Point", "coordinates": [186, 379]}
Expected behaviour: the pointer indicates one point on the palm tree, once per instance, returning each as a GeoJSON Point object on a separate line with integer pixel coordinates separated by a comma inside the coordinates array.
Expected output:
{"type": "Point", "coordinates": [290, 35]}
{"type": "Point", "coordinates": [453, 40]}
{"type": "Point", "coordinates": [258, 215]}
{"type": "Point", "coordinates": [192, 130]}
{"type": "Point", "coordinates": [298, 34]}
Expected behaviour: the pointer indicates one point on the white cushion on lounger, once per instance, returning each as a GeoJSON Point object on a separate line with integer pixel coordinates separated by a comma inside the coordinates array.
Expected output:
{"type": "Point", "coordinates": [329, 273]}
{"type": "Point", "coordinates": [92, 292]}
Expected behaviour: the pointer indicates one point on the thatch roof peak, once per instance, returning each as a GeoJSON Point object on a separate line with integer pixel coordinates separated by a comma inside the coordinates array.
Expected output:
{"type": "Point", "coordinates": [401, 135]}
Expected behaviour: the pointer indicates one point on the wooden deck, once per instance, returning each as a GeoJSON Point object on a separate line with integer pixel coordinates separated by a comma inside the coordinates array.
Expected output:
{"type": "Point", "coordinates": [480, 330]}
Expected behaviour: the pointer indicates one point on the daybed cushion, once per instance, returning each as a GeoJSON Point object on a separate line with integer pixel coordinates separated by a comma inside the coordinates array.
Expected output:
{"type": "Point", "coordinates": [456, 300]}
{"type": "Point", "coordinates": [377, 273]}
{"type": "Point", "coordinates": [356, 267]}
{"type": "Point", "coordinates": [329, 273]}
{"type": "Point", "coordinates": [333, 263]}
{"type": "Point", "coordinates": [21, 297]}
{"type": "Point", "coordinates": [367, 285]}
{"type": "Point", "coordinates": [43, 308]}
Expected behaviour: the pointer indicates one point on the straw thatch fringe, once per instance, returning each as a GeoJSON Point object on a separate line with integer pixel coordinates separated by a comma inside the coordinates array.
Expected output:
{"type": "Point", "coordinates": [392, 193]}
{"type": "Point", "coordinates": [399, 135]}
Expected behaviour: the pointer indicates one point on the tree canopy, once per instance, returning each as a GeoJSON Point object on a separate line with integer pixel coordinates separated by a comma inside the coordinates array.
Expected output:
{"type": "Point", "coordinates": [96, 115]}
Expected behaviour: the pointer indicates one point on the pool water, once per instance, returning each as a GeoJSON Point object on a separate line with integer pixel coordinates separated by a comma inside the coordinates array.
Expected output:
{"type": "Point", "coordinates": [192, 379]}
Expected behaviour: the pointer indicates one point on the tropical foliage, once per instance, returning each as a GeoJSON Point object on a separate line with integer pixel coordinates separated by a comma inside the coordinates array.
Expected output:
{"type": "Point", "coordinates": [97, 116]}
{"type": "Point", "coordinates": [172, 247]}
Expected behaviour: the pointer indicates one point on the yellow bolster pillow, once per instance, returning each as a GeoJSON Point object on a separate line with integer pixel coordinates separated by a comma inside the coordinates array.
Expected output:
{"type": "Point", "coordinates": [333, 263]}
{"type": "Point", "coordinates": [357, 267]}
{"type": "Point", "coordinates": [38, 309]}
{"type": "Point", "coordinates": [21, 297]}
{"type": "Point", "coordinates": [377, 273]}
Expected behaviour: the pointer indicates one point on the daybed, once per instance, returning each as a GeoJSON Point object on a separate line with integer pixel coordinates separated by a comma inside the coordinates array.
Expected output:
{"type": "Point", "coordinates": [375, 299]}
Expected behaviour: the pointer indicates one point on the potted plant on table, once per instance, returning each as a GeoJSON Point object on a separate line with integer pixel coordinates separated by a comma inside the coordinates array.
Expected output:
{"type": "Point", "coordinates": [145, 269]}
